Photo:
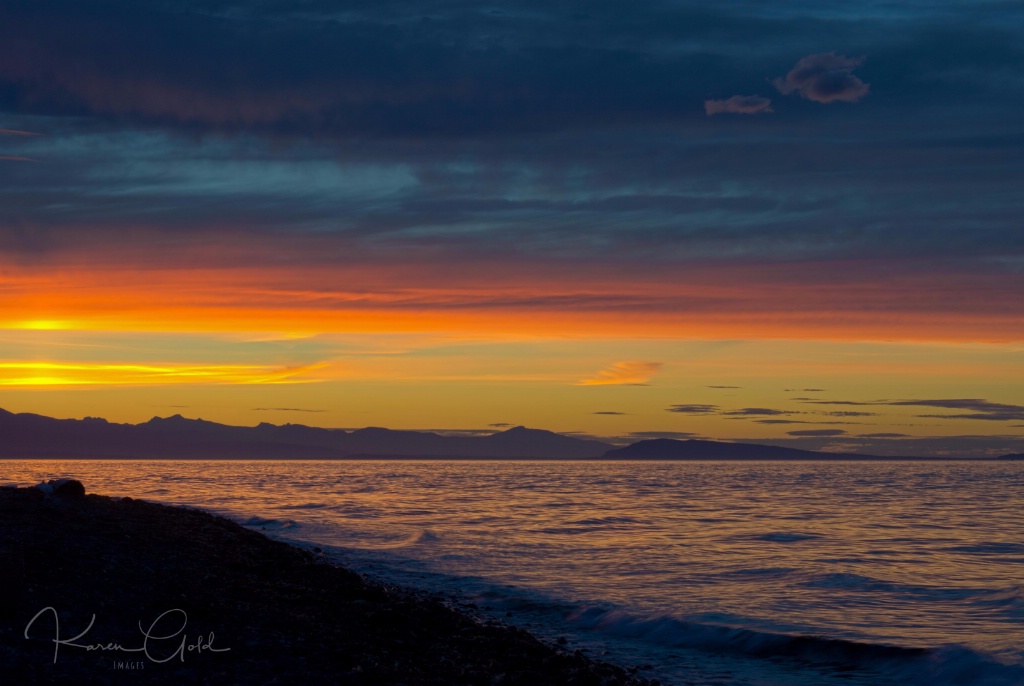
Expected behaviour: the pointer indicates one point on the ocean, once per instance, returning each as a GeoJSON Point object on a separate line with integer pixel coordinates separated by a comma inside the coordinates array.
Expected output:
{"type": "Point", "coordinates": [698, 573]}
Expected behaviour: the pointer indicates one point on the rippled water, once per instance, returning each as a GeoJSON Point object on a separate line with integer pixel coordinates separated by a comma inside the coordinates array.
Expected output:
{"type": "Point", "coordinates": [761, 573]}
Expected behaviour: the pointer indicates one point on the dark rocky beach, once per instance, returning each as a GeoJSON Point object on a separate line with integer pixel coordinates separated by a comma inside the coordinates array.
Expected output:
{"type": "Point", "coordinates": [181, 596]}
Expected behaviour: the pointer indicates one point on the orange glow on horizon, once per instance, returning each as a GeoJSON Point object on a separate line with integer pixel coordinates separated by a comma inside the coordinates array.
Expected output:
{"type": "Point", "coordinates": [299, 323]}
{"type": "Point", "coordinates": [711, 304]}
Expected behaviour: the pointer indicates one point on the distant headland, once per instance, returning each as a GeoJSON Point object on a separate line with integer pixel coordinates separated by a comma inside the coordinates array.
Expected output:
{"type": "Point", "coordinates": [32, 436]}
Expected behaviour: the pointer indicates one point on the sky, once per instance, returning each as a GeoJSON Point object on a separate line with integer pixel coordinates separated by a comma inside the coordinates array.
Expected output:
{"type": "Point", "coordinates": [799, 223]}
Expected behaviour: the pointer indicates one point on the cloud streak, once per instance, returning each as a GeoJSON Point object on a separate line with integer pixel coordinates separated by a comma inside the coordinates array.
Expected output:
{"type": "Point", "coordinates": [979, 409]}
{"type": "Point", "coordinates": [624, 374]}
{"type": "Point", "coordinates": [739, 104]}
{"type": "Point", "coordinates": [692, 409]}
{"type": "Point", "coordinates": [756, 412]}
{"type": "Point", "coordinates": [817, 433]}
{"type": "Point", "coordinates": [70, 374]}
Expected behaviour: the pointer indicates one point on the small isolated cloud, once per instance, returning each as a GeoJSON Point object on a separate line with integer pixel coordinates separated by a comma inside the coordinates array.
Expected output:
{"type": "Point", "coordinates": [284, 409]}
{"type": "Point", "coordinates": [848, 413]}
{"type": "Point", "coordinates": [739, 104]}
{"type": "Point", "coordinates": [501, 425]}
{"type": "Point", "coordinates": [16, 158]}
{"type": "Point", "coordinates": [780, 421]}
{"type": "Point", "coordinates": [624, 374]}
{"type": "Point", "coordinates": [720, 387]}
{"type": "Point", "coordinates": [755, 411]}
{"type": "Point", "coordinates": [824, 78]}
{"type": "Point", "coordinates": [611, 413]}
{"type": "Point", "coordinates": [820, 433]}
{"type": "Point", "coordinates": [693, 409]}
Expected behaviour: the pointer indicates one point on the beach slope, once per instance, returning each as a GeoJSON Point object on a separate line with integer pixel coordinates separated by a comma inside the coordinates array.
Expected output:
{"type": "Point", "coordinates": [181, 596]}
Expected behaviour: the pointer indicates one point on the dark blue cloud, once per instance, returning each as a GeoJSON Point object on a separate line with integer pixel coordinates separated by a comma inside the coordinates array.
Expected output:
{"type": "Point", "coordinates": [563, 129]}
{"type": "Point", "coordinates": [345, 70]}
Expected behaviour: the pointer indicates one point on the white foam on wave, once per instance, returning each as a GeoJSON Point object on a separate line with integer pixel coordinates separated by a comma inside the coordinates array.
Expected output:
{"type": "Point", "coordinates": [270, 524]}
{"type": "Point", "coordinates": [415, 538]}
{"type": "Point", "coordinates": [951, 665]}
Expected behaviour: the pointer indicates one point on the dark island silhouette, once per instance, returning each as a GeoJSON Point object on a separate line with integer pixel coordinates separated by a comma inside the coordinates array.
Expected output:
{"type": "Point", "coordinates": [37, 436]}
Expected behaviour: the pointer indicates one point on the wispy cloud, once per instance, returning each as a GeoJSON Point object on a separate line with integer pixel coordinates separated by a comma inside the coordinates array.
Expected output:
{"type": "Point", "coordinates": [739, 104]}
{"type": "Point", "coordinates": [20, 134]}
{"type": "Point", "coordinates": [624, 374]}
{"type": "Point", "coordinates": [825, 77]}
{"type": "Point", "coordinates": [611, 413]}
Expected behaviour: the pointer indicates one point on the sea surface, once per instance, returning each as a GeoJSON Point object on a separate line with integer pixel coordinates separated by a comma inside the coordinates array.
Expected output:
{"type": "Point", "coordinates": [743, 573]}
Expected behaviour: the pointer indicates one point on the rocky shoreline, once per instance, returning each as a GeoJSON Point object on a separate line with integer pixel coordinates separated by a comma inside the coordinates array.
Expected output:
{"type": "Point", "coordinates": [185, 597]}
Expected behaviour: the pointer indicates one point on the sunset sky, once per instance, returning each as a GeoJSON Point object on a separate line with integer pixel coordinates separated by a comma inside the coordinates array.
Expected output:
{"type": "Point", "coordinates": [799, 223]}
